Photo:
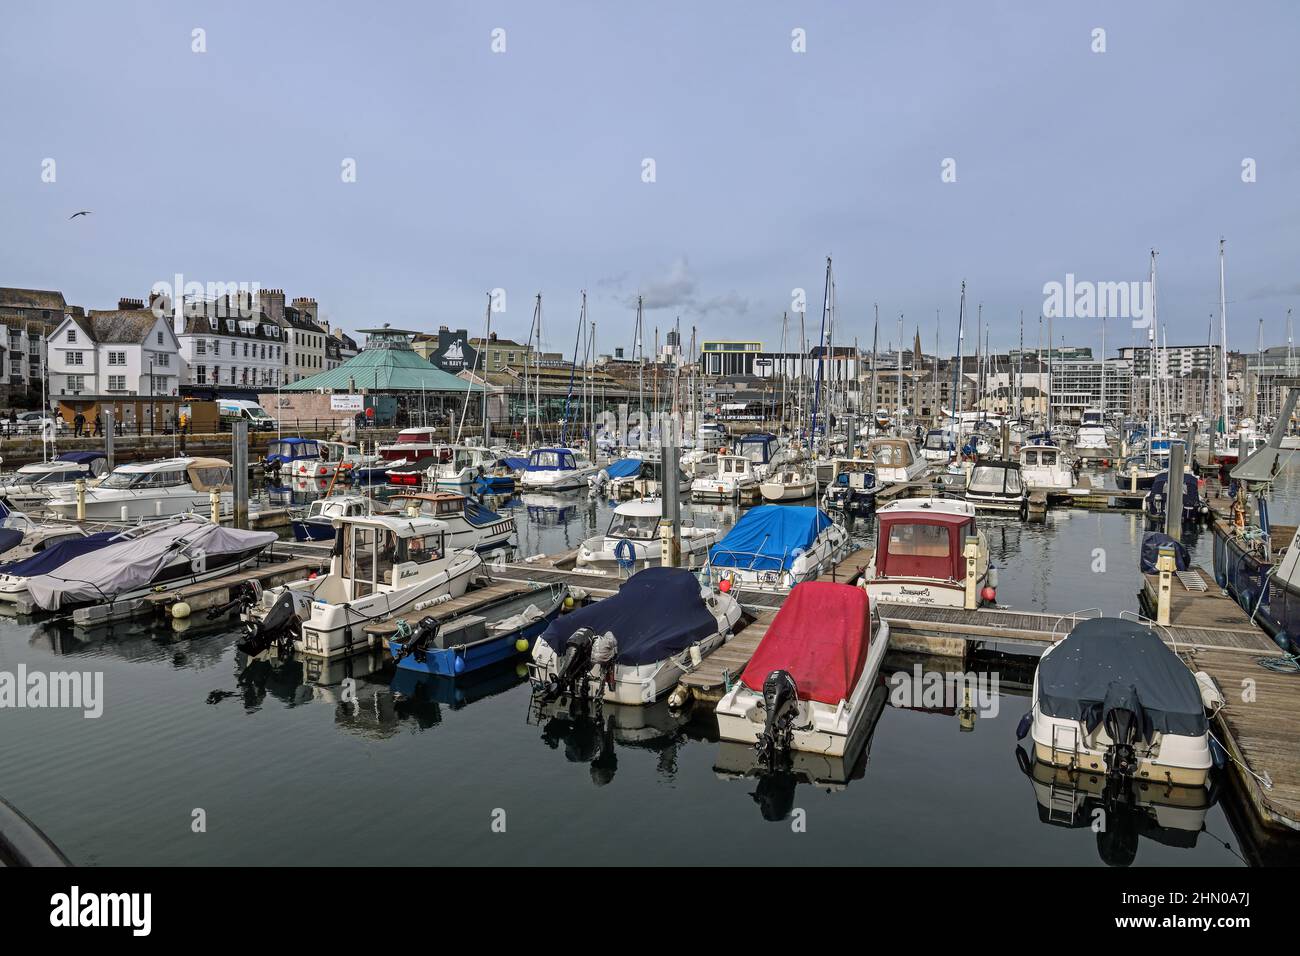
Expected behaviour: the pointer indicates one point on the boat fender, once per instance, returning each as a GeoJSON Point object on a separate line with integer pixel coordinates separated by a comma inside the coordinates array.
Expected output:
{"type": "Point", "coordinates": [1022, 728]}
{"type": "Point", "coordinates": [1218, 754]}
{"type": "Point", "coordinates": [993, 576]}
{"type": "Point", "coordinates": [1211, 696]}
{"type": "Point", "coordinates": [522, 645]}
{"type": "Point", "coordinates": [180, 610]}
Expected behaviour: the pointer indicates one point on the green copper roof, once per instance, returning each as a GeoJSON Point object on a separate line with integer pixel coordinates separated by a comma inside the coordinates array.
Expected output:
{"type": "Point", "coordinates": [387, 364]}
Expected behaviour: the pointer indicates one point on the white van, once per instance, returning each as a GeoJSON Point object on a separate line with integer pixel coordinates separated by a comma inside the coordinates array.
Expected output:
{"type": "Point", "coordinates": [234, 410]}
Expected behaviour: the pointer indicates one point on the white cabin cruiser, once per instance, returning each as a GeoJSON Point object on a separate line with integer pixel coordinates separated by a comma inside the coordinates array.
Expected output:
{"type": "Point", "coordinates": [940, 445]}
{"type": "Point", "coordinates": [469, 524]}
{"type": "Point", "coordinates": [710, 436]}
{"type": "Point", "coordinates": [775, 547]}
{"type": "Point", "coordinates": [382, 565]}
{"type": "Point", "coordinates": [734, 480]}
{"type": "Point", "coordinates": [464, 465]}
{"type": "Point", "coordinates": [335, 457]}
{"type": "Point", "coordinates": [1091, 434]}
{"type": "Point", "coordinates": [920, 554]}
{"type": "Point", "coordinates": [34, 484]}
{"type": "Point", "coordinates": [153, 489]}
{"type": "Point", "coordinates": [806, 687]}
{"type": "Point", "coordinates": [895, 460]}
{"type": "Point", "coordinates": [1044, 467]}
{"type": "Point", "coordinates": [632, 538]}
{"type": "Point", "coordinates": [1112, 698]}
{"type": "Point", "coordinates": [632, 647]}
{"type": "Point", "coordinates": [556, 469]}
{"type": "Point", "coordinates": [413, 450]}
{"type": "Point", "coordinates": [790, 482]}
{"type": "Point", "coordinates": [996, 485]}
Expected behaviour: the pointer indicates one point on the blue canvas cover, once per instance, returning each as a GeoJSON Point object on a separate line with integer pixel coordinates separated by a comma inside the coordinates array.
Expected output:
{"type": "Point", "coordinates": [514, 462]}
{"type": "Point", "coordinates": [657, 613]}
{"type": "Point", "coordinates": [623, 468]}
{"type": "Point", "coordinates": [768, 537]}
{"type": "Point", "coordinates": [1152, 542]}
{"type": "Point", "coordinates": [43, 562]}
{"type": "Point", "coordinates": [10, 538]}
{"type": "Point", "coordinates": [563, 460]}
{"type": "Point", "coordinates": [1191, 488]}
{"type": "Point", "coordinates": [82, 457]}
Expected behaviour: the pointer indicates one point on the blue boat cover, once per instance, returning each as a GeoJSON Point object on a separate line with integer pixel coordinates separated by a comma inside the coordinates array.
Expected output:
{"type": "Point", "coordinates": [514, 462]}
{"type": "Point", "coordinates": [562, 459]}
{"type": "Point", "coordinates": [657, 613]}
{"type": "Point", "coordinates": [43, 562]}
{"type": "Point", "coordinates": [477, 515]}
{"type": "Point", "coordinates": [82, 457]}
{"type": "Point", "coordinates": [10, 538]}
{"type": "Point", "coordinates": [1191, 487]}
{"type": "Point", "coordinates": [769, 537]}
{"type": "Point", "coordinates": [1152, 542]}
{"type": "Point", "coordinates": [623, 468]}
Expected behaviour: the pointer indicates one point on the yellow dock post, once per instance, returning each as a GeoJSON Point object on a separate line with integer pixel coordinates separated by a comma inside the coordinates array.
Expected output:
{"type": "Point", "coordinates": [1133, 477]}
{"type": "Point", "coordinates": [1165, 565]}
{"type": "Point", "coordinates": [81, 499]}
{"type": "Point", "coordinates": [214, 500]}
{"type": "Point", "coordinates": [972, 551]}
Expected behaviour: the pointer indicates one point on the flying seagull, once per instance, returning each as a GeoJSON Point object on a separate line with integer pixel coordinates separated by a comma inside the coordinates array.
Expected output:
{"type": "Point", "coordinates": [84, 212]}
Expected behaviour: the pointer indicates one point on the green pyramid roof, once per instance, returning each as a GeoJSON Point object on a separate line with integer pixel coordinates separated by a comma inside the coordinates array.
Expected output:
{"type": "Point", "coordinates": [387, 364]}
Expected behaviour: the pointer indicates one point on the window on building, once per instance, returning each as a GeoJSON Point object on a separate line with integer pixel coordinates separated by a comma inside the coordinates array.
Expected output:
{"type": "Point", "coordinates": [72, 336]}
{"type": "Point", "coordinates": [201, 347]}
{"type": "Point", "coordinates": [160, 338]}
{"type": "Point", "coordinates": [76, 358]}
{"type": "Point", "coordinates": [116, 358]}
{"type": "Point", "coordinates": [201, 374]}
{"type": "Point", "coordinates": [162, 360]}
{"type": "Point", "coordinates": [76, 383]}
{"type": "Point", "coordinates": [117, 383]}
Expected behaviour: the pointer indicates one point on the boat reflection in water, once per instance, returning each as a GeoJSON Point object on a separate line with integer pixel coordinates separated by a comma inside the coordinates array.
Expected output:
{"type": "Point", "coordinates": [776, 785]}
{"type": "Point", "coordinates": [1120, 811]}
{"type": "Point", "coordinates": [591, 732]}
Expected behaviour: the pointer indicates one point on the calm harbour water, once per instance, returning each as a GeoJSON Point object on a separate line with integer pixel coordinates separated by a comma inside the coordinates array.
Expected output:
{"type": "Point", "coordinates": [287, 772]}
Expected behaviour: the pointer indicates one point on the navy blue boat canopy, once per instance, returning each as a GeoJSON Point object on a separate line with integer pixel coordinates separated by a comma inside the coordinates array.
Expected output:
{"type": "Point", "coordinates": [769, 537]}
{"type": "Point", "coordinates": [1108, 652]}
{"type": "Point", "coordinates": [10, 538]}
{"type": "Point", "coordinates": [1152, 542]}
{"type": "Point", "coordinates": [657, 613]}
{"type": "Point", "coordinates": [83, 457]}
{"type": "Point", "coordinates": [51, 558]}
{"type": "Point", "coordinates": [1191, 487]}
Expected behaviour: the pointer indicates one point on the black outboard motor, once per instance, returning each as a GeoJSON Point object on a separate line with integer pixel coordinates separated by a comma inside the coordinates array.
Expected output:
{"type": "Point", "coordinates": [279, 628]}
{"type": "Point", "coordinates": [417, 642]}
{"type": "Point", "coordinates": [1122, 716]}
{"type": "Point", "coordinates": [586, 656]}
{"type": "Point", "coordinates": [780, 706]}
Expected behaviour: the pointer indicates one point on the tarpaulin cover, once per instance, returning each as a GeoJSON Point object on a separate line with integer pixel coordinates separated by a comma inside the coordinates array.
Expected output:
{"type": "Point", "coordinates": [769, 537]}
{"type": "Point", "coordinates": [130, 565]}
{"type": "Point", "coordinates": [1191, 487]}
{"type": "Point", "coordinates": [820, 636]}
{"type": "Point", "coordinates": [82, 457]}
{"type": "Point", "coordinates": [1152, 542]}
{"type": "Point", "coordinates": [1102, 652]}
{"type": "Point", "coordinates": [515, 463]}
{"type": "Point", "coordinates": [623, 468]}
{"type": "Point", "coordinates": [10, 538]}
{"type": "Point", "coordinates": [48, 559]}
{"type": "Point", "coordinates": [656, 614]}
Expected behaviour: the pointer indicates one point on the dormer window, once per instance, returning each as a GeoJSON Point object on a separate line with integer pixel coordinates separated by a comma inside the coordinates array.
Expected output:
{"type": "Point", "coordinates": [72, 336]}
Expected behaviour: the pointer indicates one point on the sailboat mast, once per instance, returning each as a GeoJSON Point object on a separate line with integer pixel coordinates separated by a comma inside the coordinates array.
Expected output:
{"type": "Point", "coordinates": [821, 359]}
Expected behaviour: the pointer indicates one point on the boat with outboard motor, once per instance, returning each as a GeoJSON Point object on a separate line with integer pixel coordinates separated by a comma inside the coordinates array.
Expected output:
{"type": "Point", "coordinates": [920, 554]}
{"type": "Point", "coordinates": [381, 566]}
{"type": "Point", "coordinates": [161, 557]}
{"type": "Point", "coordinates": [734, 480]}
{"type": "Point", "coordinates": [414, 449]}
{"type": "Point", "coordinates": [501, 630]}
{"type": "Point", "coordinates": [896, 460]}
{"type": "Point", "coordinates": [15, 573]}
{"type": "Point", "coordinates": [807, 684]}
{"type": "Point", "coordinates": [633, 537]}
{"type": "Point", "coordinates": [775, 547]}
{"type": "Point", "coordinates": [1112, 698]}
{"type": "Point", "coordinates": [634, 646]}
{"type": "Point", "coordinates": [1195, 506]}
{"type": "Point", "coordinates": [337, 458]}
{"type": "Point", "coordinates": [852, 487]}
{"type": "Point", "coordinates": [317, 522]}
{"type": "Point", "coordinates": [153, 489]}
{"type": "Point", "coordinates": [284, 456]}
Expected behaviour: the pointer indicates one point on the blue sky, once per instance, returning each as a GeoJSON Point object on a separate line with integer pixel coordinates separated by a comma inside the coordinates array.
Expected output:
{"type": "Point", "coordinates": [522, 170]}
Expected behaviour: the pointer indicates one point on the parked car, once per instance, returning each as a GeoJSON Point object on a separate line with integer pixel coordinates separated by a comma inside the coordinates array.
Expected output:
{"type": "Point", "coordinates": [31, 423]}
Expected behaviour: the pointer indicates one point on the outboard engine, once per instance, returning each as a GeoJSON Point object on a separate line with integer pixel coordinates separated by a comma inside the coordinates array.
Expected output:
{"type": "Point", "coordinates": [1122, 716]}
{"type": "Point", "coordinates": [279, 628]}
{"type": "Point", "coordinates": [417, 638]}
{"type": "Point", "coordinates": [780, 707]}
{"type": "Point", "coordinates": [587, 657]}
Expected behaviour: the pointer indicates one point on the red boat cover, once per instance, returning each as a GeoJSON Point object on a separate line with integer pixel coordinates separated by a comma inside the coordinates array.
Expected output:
{"type": "Point", "coordinates": [821, 636]}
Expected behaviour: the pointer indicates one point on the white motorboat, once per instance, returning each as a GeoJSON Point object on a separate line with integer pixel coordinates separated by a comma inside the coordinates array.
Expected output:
{"type": "Point", "coordinates": [896, 460]}
{"type": "Point", "coordinates": [806, 687]}
{"type": "Point", "coordinates": [317, 522]}
{"type": "Point", "coordinates": [940, 445]}
{"type": "Point", "coordinates": [920, 554]}
{"type": "Point", "coordinates": [734, 480]}
{"type": "Point", "coordinates": [632, 539]}
{"type": "Point", "coordinates": [464, 465]}
{"type": "Point", "coordinates": [996, 485]}
{"type": "Point", "coordinates": [556, 469]}
{"type": "Point", "coordinates": [1044, 467]}
{"type": "Point", "coordinates": [791, 482]}
{"type": "Point", "coordinates": [32, 485]}
{"type": "Point", "coordinates": [764, 451]}
{"type": "Point", "coordinates": [153, 489]}
{"type": "Point", "coordinates": [634, 646]}
{"type": "Point", "coordinates": [382, 566]}
{"type": "Point", "coordinates": [469, 524]}
{"type": "Point", "coordinates": [851, 488]}
{"type": "Point", "coordinates": [414, 449]}
{"type": "Point", "coordinates": [775, 547]}
{"type": "Point", "coordinates": [710, 437]}
{"type": "Point", "coordinates": [334, 457]}
{"type": "Point", "coordinates": [1091, 433]}
{"type": "Point", "coordinates": [697, 463]}
{"type": "Point", "coordinates": [161, 557]}
{"type": "Point", "coordinates": [1112, 698]}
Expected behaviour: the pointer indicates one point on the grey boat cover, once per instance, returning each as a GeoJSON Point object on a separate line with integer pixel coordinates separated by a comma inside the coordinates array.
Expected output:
{"type": "Point", "coordinates": [1108, 652]}
{"type": "Point", "coordinates": [132, 564]}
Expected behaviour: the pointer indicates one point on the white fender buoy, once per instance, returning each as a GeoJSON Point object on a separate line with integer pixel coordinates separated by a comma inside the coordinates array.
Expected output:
{"type": "Point", "coordinates": [180, 610]}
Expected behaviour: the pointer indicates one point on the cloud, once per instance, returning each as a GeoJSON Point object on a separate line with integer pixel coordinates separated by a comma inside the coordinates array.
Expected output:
{"type": "Point", "coordinates": [677, 290]}
{"type": "Point", "coordinates": [1274, 291]}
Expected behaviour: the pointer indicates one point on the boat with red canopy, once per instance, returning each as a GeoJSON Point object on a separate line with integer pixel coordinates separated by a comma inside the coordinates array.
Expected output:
{"type": "Point", "coordinates": [807, 685]}
{"type": "Point", "coordinates": [920, 554]}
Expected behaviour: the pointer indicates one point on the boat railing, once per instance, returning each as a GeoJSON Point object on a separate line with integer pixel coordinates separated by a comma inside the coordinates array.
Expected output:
{"type": "Point", "coordinates": [1074, 617]}
{"type": "Point", "coordinates": [1138, 618]}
